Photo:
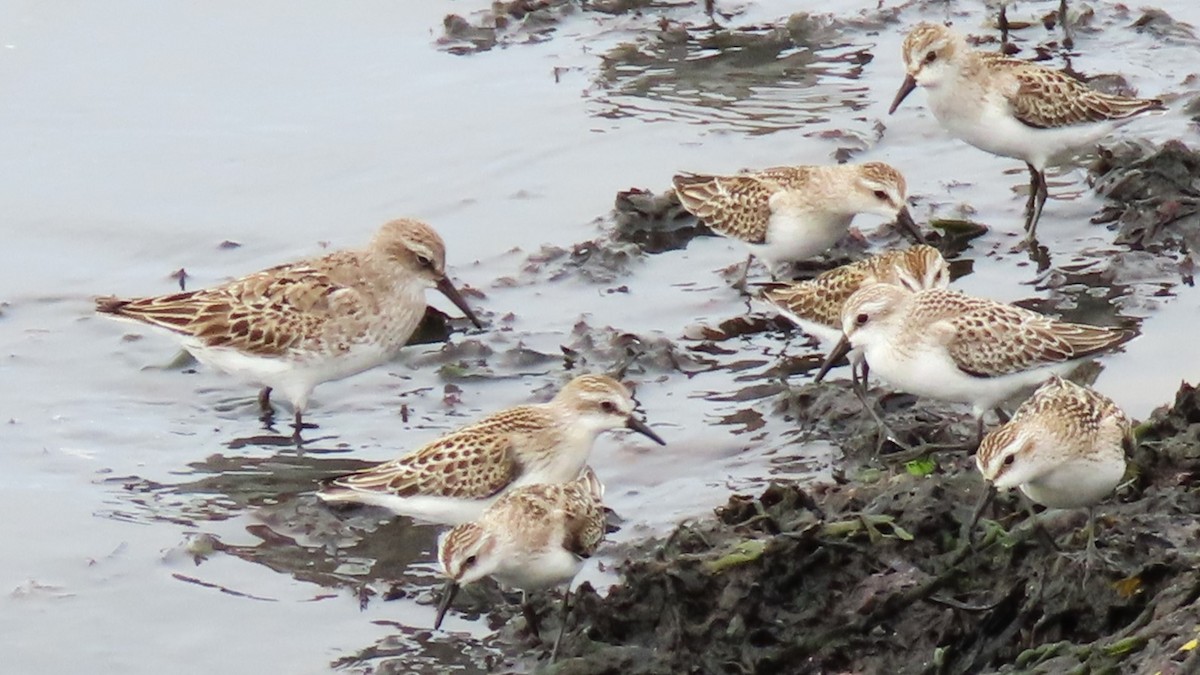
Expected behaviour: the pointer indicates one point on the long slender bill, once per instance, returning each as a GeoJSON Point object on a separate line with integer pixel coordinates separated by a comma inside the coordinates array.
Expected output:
{"type": "Point", "coordinates": [910, 83]}
{"type": "Point", "coordinates": [447, 288]}
{"type": "Point", "coordinates": [905, 221]}
{"type": "Point", "coordinates": [986, 499]}
{"type": "Point", "coordinates": [448, 594]}
{"type": "Point", "coordinates": [640, 427]}
{"type": "Point", "coordinates": [839, 352]}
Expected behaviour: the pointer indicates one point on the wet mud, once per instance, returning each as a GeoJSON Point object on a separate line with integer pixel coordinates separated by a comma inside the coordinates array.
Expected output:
{"type": "Point", "coordinates": [877, 577]}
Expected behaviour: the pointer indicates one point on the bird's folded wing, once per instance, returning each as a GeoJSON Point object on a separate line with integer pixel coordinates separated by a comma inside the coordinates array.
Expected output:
{"type": "Point", "coordinates": [452, 466]}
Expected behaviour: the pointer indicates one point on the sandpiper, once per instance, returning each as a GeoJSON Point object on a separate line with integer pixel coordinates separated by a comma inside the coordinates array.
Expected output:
{"type": "Point", "coordinates": [789, 213]}
{"type": "Point", "coordinates": [815, 305]}
{"type": "Point", "coordinates": [955, 347]}
{"type": "Point", "coordinates": [1064, 448]}
{"type": "Point", "coordinates": [1009, 107]}
{"type": "Point", "coordinates": [292, 327]}
{"type": "Point", "coordinates": [533, 538]}
{"type": "Point", "coordinates": [454, 478]}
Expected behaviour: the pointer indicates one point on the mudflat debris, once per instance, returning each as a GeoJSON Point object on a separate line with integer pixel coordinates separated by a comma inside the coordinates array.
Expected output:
{"type": "Point", "coordinates": [879, 577]}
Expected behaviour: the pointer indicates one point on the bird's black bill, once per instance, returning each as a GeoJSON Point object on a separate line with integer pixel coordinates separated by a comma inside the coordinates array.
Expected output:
{"type": "Point", "coordinates": [448, 594]}
{"type": "Point", "coordinates": [839, 352]}
{"type": "Point", "coordinates": [910, 83]}
{"type": "Point", "coordinates": [905, 221]}
{"type": "Point", "coordinates": [447, 288]}
{"type": "Point", "coordinates": [640, 427]}
{"type": "Point", "coordinates": [987, 498]}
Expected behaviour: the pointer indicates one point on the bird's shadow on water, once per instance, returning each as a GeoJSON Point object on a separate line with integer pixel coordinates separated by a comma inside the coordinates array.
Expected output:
{"type": "Point", "coordinates": [273, 439]}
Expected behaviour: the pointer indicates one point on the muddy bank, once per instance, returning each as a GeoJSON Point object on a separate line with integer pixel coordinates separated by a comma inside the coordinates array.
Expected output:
{"type": "Point", "coordinates": [876, 577]}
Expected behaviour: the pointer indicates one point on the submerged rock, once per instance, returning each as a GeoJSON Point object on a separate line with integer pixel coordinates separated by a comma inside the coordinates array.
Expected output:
{"type": "Point", "coordinates": [1154, 194]}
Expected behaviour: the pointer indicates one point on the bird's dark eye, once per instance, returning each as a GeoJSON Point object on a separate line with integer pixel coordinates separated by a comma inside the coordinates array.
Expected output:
{"type": "Point", "coordinates": [861, 319]}
{"type": "Point", "coordinates": [424, 260]}
{"type": "Point", "coordinates": [1009, 460]}
{"type": "Point", "coordinates": [931, 57]}
{"type": "Point", "coordinates": [470, 562]}
{"type": "Point", "coordinates": [608, 407]}
{"type": "Point", "coordinates": [881, 195]}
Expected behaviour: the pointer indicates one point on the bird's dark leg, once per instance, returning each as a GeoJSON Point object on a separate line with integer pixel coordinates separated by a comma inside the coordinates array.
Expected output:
{"type": "Point", "coordinates": [531, 617]}
{"type": "Point", "coordinates": [266, 414]}
{"type": "Point", "coordinates": [859, 385]}
{"type": "Point", "coordinates": [1068, 39]}
{"type": "Point", "coordinates": [1029, 200]}
{"type": "Point", "coordinates": [1002, 22]}
{"type": "Point", "coordinates": [297, 425]}
{"type": "Point", "coordinates": [1001, 415]}
{"type": "Point", "coordinates": [906, 452]}
{"type": "Point", "coordinates": [1092, 555]}
{"type": "Point", "coordinates": [562, 626]}
{"type": "Point", "coordinates": [1091, 544]}
{"type": "Point", "coordinates": [740, 284]}
{"type": "Point", "coordinates": [1037, 200]}
{"type": "Point", "coordinates": [1047, 538]}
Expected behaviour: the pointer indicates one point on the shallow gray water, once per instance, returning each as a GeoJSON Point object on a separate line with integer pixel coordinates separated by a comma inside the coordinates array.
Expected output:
{"type": "Point", "coordinates": [137, 137]}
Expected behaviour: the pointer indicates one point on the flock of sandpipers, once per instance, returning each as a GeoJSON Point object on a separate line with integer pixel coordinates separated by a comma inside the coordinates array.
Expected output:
{"type": "Point", "coordinates": [515, 486]}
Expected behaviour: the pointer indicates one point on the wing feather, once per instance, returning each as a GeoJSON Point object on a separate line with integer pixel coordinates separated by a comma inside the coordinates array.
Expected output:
{"type": "Point", "coordinates": [736, 206]}
{"type": "Point", "coordinates": [1001, 339]}
{"type": "Point", "coordinates": [1045, 99]}
{"type": "Point", "coordinates": [474, 462]}
{"type": "Point", "coordinates": [266, 313]}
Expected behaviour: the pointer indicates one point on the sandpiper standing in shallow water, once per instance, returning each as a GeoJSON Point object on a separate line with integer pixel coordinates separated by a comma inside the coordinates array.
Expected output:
{"type": "Point", "coordinates": [955, 347]}
{"type": "Point", "coordinates": [790, 213]}
{"type": "Point", "coordinates": [815, 305]}
{"type": "Point", "coordinates": [1009, 107]}
{"type": "Point", "coordinates": [454, 478]}
{"type": "Point", "coordinates": [533, 538]}
{"type": "Point", "coordinates": [1064, 448]}
{"type": "Point", "coordinates": [292, 327]}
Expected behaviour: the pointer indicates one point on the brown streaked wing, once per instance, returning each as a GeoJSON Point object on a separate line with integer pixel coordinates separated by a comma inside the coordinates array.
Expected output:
{"type": "Point", "coordinates": [936, 305]}
{"type": "Point", "coordinates": [265, 313]}
{"type": "Point", "coordinates": [736, 206]}
{"type": "Point", "coordinates": [790, 177]}
{"type": "Point", "coordinates": [584, 521]}
{"type": "Point", "coordinates": [474, 462]}
{"type": "Point", "coordinates": [1047, 99]}
{"type": "Point", "coordinates": [1081, 407]}
{"type": "Point", "coordinates": [820, 299]}
{"type": "Point", "coordinates": [1004, 339]}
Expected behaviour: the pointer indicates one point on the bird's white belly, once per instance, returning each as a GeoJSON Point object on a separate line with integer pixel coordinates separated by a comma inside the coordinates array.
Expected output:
{"type": "Point", "coordinates": [293, 375]}
{"type": "Point", "coordinates": [564, 464]}
{"type": "Point", "coordinates": [432, 509]}
{"type": "Point", "coordinates": [552, 567]}
{"type": "Point", "coordinates": [932, 373]}
{"type": "Point", "coordinates": [992, 128]}
{"type": "Point", "coordinates": [1076, 484]}
{"type": "Point", "coordinates": [797, 235]}
{"type": "Point", "coordinates": [560, 472]}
